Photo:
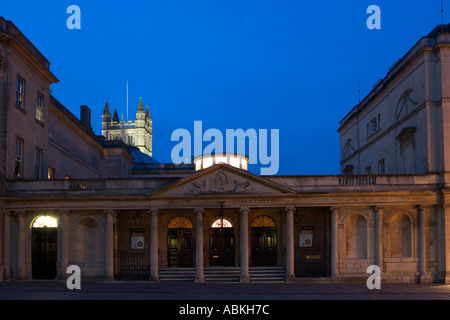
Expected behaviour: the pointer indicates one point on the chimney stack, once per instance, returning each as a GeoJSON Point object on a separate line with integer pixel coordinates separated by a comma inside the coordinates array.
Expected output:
{"type": "Point", "coordinates": [86, 117]}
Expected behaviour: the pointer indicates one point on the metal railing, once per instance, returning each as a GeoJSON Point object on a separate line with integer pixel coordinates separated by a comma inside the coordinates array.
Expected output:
{"type": "Point", "coordinates": [357, 180]}
{"type": "Point", "coordinates": [132, 265]}
{"type": "Point", "coordinates": [89, 184]}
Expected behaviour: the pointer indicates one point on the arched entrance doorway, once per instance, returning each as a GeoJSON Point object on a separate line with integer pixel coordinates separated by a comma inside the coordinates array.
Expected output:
{"type": "Point", "coordinates": [221, 246]}
{"type": "Point", "coordinates": [179, 238]}
{"type": "Point", "coordinates": [264, 242]}
{"type": "Point", "coordinates": [44, 246]}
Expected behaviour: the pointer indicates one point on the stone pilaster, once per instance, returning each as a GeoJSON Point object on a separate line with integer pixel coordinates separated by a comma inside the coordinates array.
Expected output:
{"type": "Point", "coordinates": [154, 265]}
{"type": "Point", "coordinates": [245, 276]}
{"type": "Point", "coordinates": [199, 275]}
{"type": "Point", "coordinates": [64, 251]}
{"type": "Point", "coordinates": [425, 276]}
{"type": "Point", "coordinates": [7, 245]}
{"type": "Point", "coordinates": [109, 245]}
{"type": "Point", "coordinates": [290, 274]}
{"type": "Point", "coordinates": [21, 247]}
{"type": "Point", "coordinates": [378, 236]}
{"type": "Point", "coordinates": [334, 242]}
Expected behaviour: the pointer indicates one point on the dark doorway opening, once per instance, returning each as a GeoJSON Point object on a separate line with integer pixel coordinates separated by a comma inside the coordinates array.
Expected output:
{"type": "Point", "coordinates": [44, 254]}
{"type": "Point", "coordinates": [180, 248]}
{"type": "Point", "coordinates": [221, 247]}
{"type": "Point", "coordinates": [264, 247]}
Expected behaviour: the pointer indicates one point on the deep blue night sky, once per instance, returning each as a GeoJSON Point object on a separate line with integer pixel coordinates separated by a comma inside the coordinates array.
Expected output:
{"type": "Point", "coordinates": [287, 65]}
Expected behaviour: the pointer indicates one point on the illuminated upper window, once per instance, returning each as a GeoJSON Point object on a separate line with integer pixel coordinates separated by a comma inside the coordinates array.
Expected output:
{"type": "Point", "coordinates": [232, 159]}
{"type": "Point", "coordinates": [180, 222]}
{"type": "Point", "coordinates": [263, 221]}
{"type": "Point", "coordinates": [222, 223]}
{"type": "Point", "coordinates": [44, 222]}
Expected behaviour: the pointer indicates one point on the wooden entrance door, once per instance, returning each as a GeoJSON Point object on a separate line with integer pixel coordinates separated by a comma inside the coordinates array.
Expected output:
{"type": "Point", "coordinates": [264, 247]}
{"type": "Point", "coordinates": [44, 253]}
{"type": "Point", "coordinates": [180, 248]}
{"type": "Point", "coordinates": [221, 252]}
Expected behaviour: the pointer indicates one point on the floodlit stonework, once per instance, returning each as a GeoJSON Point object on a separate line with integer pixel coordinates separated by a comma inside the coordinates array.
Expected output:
{"type": "Point", "coordinates": [135, 133]}
{"type": "Point", "coordinates": [70, 197]}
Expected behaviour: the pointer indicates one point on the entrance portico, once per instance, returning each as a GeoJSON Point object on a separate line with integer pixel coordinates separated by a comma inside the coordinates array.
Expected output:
{"type": "Point", "coordinates": [220, 218]}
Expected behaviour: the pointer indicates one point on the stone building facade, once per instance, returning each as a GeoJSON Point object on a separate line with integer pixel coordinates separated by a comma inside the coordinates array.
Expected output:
{"type": "Point", "coordinates": [401, 126]}
{"type": "Point", "coordinates": [219, 223]}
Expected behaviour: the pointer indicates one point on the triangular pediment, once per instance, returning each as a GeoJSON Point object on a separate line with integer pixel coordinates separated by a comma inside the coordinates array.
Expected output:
{"type": "Point", "coordinates": [221, 179]}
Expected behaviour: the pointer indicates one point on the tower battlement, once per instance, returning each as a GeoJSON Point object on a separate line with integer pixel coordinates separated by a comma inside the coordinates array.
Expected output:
{"type": "Point", "coordinates": [136, 133]}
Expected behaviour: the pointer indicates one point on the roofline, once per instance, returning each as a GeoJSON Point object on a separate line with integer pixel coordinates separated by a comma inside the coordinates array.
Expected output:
{"type": "Point", "coordinates": [7, 27]}
{"type": "Point", "coordinates": [429, 41]}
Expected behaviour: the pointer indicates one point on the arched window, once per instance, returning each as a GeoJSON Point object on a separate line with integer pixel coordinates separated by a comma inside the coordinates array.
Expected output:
{"type": "Point", "coordinates": [356, 237]}
{"type": "Point", "coordinates": [180, 222]}
{"type": "Point", "coordinates": [263, 221]}
{"type": "Point", "coordinates": [44, 222]}
{"type": "Point", "coordinates": [400, 235]}
{"type": "Point", "coordinates": [222, 223]}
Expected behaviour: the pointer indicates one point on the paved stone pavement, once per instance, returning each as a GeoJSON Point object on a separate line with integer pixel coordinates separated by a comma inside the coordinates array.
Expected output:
{"type": "Point", "coordinates": [218, 301]}
{"type": "Point", "coordinates": [55, 290]}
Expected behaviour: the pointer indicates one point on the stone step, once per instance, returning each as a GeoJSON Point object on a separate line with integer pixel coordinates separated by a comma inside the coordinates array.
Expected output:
{"type": "Point", "coordinates": [224, 274]}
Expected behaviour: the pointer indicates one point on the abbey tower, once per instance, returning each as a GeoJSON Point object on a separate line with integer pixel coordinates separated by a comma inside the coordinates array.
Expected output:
{"type": "Point", "coordinates": [137, 134]}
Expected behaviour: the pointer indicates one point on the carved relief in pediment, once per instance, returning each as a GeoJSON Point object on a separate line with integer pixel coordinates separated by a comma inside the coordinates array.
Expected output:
{"type": "Point", "coordinates": [220, 183]}
{"type": "Point", "coordinates": [406, 103]}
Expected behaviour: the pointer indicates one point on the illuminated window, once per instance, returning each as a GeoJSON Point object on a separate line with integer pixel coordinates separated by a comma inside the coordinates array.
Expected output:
{"type": "Point", "coordinates": [222, 223]}
{"type": "Point", "coordinates": [180, 222]}
{"type": "Point", "coordinates": [235, 162]}
{"type": "Point", "coordinates": [18, 159]}
{"type": "Point", "coordinates": [244, 164]}
{"type": "Point", "coordinates": [40, 107]}
{"type": "Point", "coordinates": [221, 159]}
{"type": "Point", "coordinates": [44, 222]}
{"type": "Point", "coordinates": [198, 165]}
{"type": "Point", "coordinates": [51, 173]}
{"type": "Point", "coordinates": [263, 221]}
{"type": "Point", "coordinates": [207, 162]}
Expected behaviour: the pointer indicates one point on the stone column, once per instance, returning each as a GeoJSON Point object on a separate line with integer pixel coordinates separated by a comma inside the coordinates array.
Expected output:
{"type": "Point", "coordinates": [334, 242]}
{"type": "Point", "coordinates": [378, 237]}
{"type": "Point", "coordinates": [7, 245]}
{"type": "Point", "coordinates": [21, 246]}
{"type": "Point", "coordinates": [109, 245]}
{"type": "Point", "coordinates": [154, 265]}
{"type": "Point", "coordinates": [64, 243]}
{"type": "Point", "coordinates": [290, 275]}
{"type": "Point", "coordinates": [444, 242]}
{"type": "Point", "coordinates": [245, 277]}
{"type": "Point", "coordinates": [425, 277]}
{"type": "Point", "coordinates": [199, 276]}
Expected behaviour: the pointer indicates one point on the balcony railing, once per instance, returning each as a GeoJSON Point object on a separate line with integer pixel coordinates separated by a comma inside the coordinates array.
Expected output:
{"type": "Point", "coordinates": [357, 180]}
{"type": "Point", "coordinates": [89, 184]}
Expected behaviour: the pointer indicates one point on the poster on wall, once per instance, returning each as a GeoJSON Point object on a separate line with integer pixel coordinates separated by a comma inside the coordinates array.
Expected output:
{"type": "Point", "coordinates": [306, 238]}
{"type": "Point", "coordinates": [137, 239]}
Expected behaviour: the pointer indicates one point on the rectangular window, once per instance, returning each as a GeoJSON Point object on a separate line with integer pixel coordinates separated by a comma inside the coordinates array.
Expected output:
{"type": "Point", "coordinates": [381, 169]}
{"type": "Point", "coordinates": [20, 93]}
{"type": "Point", "coordinates": [18, 158]}
{"type": "Point", "coordinates": [373, 125]}
{"type": "Point", "coordinates": [40, 107]}
{"type": "Point", "coordinates": [369, 170]}
{"type": "Point", "coordinates": [38, 164]}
